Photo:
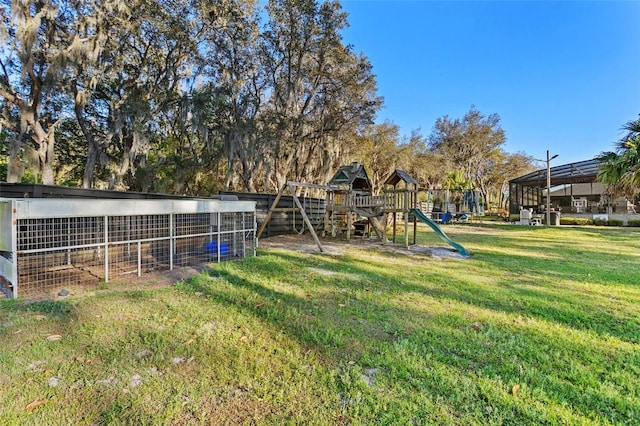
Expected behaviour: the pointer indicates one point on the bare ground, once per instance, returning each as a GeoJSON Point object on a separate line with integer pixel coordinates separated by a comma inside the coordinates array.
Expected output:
{"type": "Point", "coordinates": [337, 246]}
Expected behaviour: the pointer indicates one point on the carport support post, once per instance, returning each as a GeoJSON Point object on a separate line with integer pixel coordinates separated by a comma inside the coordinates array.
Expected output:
{"type": "Point", "coordinates": [549, 188]}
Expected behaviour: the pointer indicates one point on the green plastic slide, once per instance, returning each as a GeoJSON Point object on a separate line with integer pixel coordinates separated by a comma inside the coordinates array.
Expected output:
{"type": "Point", "coordinates": [421, 216]}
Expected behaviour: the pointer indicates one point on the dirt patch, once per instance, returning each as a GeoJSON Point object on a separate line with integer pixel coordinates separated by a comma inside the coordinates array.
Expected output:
{"type": "Point", "coordinates": [147, 281]}
{"type": "Point", "coordinates": [303, 243]}
{"type": "Point", "coordinates": [333, 246]}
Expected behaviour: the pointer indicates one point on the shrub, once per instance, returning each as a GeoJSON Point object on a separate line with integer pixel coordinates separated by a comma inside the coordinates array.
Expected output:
{"type": "Point", "coordinates": [568, 221]}
{"type": "Point", "coordinates": [615, 222]}
{"type": "Point", "coordinates": [633, 222]}
{"type": "Point", "coordinates": [580, 221]}
{"type": "Point", "coordinates": [599, 222]}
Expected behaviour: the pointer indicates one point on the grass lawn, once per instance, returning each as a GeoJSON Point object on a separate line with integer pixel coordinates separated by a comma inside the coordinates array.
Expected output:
{"type": "Point", "coordinates": [540, 326]}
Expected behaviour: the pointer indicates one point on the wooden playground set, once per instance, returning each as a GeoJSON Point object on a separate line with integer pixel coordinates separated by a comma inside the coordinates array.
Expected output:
{"type": "Point", "coordinates": [352, 208]}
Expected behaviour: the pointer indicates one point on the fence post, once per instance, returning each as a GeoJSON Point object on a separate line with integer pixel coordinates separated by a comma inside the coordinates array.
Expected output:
{"type": "Point", "coordinates": [14, 249]}
{"type": "Point", "coordinates": [171, 241]}
{"type": "Point", "coordinates": [106, 249]}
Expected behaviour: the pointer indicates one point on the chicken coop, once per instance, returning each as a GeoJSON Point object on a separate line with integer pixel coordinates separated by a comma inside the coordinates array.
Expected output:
{"type": "Point", "coordinates": [50, 243]}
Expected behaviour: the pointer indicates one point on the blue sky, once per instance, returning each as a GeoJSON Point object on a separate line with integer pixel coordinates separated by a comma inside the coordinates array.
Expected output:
{"type": "Point", "coordinates": [562, 75]}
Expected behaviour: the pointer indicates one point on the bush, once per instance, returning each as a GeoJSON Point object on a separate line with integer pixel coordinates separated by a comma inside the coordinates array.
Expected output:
{"type": "Point", "coordinates": [610, 222]}
{"type": "Point", "coordinates": [568, 221]}
{"type": "Point", "coordinates": [633, 222]}
{"type": "Point", "coordinates": [579, 221]}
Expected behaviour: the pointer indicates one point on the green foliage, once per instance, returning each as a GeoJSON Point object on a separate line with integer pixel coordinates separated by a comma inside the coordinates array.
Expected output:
{"type": "Point", "coordinates": [633, 222]}
{"type": "Point", "coordinates": [579, 221]}
{"type": "Point", "coordinates": [621, 169]}
{"type": "Point", "coordinates": [608, 222]}
{"type": "Point", "coordinates": [456, 180]}
{"type": "Point", "coordinates": [184, 102]}
{"type": "Point", "coordinates": [600, 222]}
{"type": "Point", "coordinates": [198, 101]}
{"type": "Point", "coordinates": [473, 147]}
{"type": "Point", "coordinates": [4, 156]}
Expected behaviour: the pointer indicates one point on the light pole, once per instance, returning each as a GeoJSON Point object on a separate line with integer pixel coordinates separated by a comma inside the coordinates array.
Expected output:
{"type": "Point", "coordinates": [548, 222]}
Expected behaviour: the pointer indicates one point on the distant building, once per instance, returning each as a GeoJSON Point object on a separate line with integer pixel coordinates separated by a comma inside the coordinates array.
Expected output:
{"type": "Point", "coordinates": [574, 189]}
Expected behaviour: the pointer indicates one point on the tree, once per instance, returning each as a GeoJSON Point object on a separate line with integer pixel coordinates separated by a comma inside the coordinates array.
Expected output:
{"type": "Point", "coordinates": [471, 145]}
{"type": "Point", "coordinates": [621, 169]}
{"type": "Point", "coordinates": [457, 181]}
{"type": "Point", "coordinates": [319, 89]}
{"type": "Point", "coordinates": [377, 149]}
{"type": "Point", "coordinates": [43, 40]}
{"type": "Point", "coordinates": [421, 163]}
{"type": "Point", "coordinates": [185, 92]}
{"type": "Point", "coordinates": [238, 77]}
{"type": "Point", "coordinates": [151, 57]}
{"type": "Point", "coordinates": [507, 167]}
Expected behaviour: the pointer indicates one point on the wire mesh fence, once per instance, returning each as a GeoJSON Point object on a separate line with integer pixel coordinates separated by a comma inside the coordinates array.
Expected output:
{"type": "Point", "coordinates": [46, 247]}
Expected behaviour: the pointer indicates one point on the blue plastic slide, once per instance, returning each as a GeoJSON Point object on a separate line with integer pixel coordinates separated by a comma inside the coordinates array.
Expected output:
{"type": "Point", "coordinates": [421, 216]}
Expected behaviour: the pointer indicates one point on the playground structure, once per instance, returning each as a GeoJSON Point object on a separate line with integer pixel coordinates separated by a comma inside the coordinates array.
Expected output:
{"type": "Point", "coordinates": [349, 196]}
{"type": "Point", "coordinates": [445, 205]}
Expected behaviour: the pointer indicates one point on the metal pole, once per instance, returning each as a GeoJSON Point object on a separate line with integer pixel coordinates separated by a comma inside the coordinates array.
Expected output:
{"type": "Point", "coordinates": [548, 190]}
{"type": "Point", "coordinates": [106, 248]}
{"type": "Point", "coordinates": [14, 279]}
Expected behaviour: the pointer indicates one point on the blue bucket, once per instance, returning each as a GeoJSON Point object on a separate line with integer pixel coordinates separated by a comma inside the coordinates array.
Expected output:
{"type": "Point", "coordinates": [212, 248]}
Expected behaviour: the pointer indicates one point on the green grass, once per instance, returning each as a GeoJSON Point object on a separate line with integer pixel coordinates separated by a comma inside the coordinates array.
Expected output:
{"type": "Point", "coordinates": [540, 326]}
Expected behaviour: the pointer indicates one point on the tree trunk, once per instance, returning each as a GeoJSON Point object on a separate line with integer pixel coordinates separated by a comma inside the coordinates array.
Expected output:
{"type": "Point", "coordinates": [15, 169]}
{"type": "Point", "coordinates": [46, 156]}
{"type": "Point", "coordinates": [90, 165]}
{"type": "Point", "coordinates": [117, 179]}
{"type": "Point", "coordinates": [44, 146]}
{"type": "Point", "coordinates": [92, 147]}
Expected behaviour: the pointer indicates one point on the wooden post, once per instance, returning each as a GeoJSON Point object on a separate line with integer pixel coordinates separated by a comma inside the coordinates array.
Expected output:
{"type": "Point", "coordinates": [384, 229]}
{"type": "Point", "coordinates": [405, 209]}
{"type": "Point", "coordinates": [269, 203]}
{"type": "Point", "coordinates": [394, 225]}
{"type": "Point", "coordinates": [406, 228]}
{"type": "Point", "coordinates": [270, 212]}
{"type": "Point", "coordinates": [305, 217]}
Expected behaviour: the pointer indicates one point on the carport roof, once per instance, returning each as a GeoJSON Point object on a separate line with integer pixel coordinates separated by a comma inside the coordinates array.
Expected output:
{"type": "Point", "coordinates": [579, 172]}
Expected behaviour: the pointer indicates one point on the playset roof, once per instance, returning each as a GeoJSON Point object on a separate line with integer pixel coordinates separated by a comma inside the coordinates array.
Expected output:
{"type": "Point", "coordinates": [355, 176]}
{"type": "Point", "coordinates": [400, 175]}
